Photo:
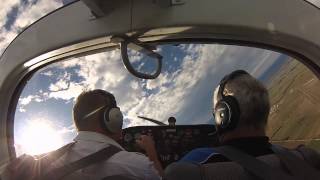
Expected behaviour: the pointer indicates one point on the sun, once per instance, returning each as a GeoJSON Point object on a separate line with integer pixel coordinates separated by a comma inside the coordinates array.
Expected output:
{"type": "Point", "coordinates": [40, 136]}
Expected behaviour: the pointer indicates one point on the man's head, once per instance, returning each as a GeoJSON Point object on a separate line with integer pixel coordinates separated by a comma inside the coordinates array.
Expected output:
{"type": "Point", "coordinates": [251, 100]}
{"type": "Point", "coordinates": [97, 111]}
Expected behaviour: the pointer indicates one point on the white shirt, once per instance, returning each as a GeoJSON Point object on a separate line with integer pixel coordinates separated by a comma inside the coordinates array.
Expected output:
{"type": "Point", "coordinates": [125, 163]}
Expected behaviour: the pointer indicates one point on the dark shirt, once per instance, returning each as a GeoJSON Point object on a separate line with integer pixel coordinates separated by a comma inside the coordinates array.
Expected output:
{"type": "Point", "coordinates": [254, 146]}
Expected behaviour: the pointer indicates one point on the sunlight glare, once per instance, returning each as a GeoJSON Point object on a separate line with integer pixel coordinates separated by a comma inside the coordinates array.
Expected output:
{"type": "Point", "coordinates": [40, 136]}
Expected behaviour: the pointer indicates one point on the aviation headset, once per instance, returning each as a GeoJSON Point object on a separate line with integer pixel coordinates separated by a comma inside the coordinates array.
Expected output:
{"type": "Point", "coordinates": [227, 111]}
{"type": "Point", "coordinates": [112, 119]}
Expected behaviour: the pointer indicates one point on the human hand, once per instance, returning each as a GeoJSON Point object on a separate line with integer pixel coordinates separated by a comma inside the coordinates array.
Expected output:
{"type": "Point", "coordinates": [146, 143]}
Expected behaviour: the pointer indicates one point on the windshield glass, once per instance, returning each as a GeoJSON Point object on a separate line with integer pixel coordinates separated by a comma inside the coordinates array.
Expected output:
{"type": "Point", "coordinates": [314, 2]}
{"type": "Point", "coordinates": [184, 90]}
{"type": "Point", "coordinates": [16, 15]}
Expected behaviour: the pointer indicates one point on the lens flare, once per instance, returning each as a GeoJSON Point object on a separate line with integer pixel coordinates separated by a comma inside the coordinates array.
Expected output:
{"type": "Point", "coordinates": [39, 136]}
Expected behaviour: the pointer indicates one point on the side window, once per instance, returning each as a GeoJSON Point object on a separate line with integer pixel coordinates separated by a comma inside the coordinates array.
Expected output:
{"type": "Point", "coordinates": [295, 98]}
{"type": "Point", "coordinates": [43, 119]}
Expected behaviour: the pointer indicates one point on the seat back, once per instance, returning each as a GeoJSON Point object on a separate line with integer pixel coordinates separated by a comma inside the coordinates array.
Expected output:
{"type": "Point", "coordinates": [183, 170]}
{"type": "Point", "coordinates": [215, 171]}
{"type": "Point", "coordinates": [234, 171]}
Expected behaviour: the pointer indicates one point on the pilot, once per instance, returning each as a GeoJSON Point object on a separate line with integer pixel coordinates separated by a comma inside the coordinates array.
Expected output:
{"type": "Point", "coordinates": [241, 107]}
{"type": "Point", "coordinates": [99, 124]}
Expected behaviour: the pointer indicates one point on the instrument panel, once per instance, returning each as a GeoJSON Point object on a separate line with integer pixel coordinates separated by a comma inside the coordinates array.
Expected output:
{"type": "Point", "coordinates": [172, 142]}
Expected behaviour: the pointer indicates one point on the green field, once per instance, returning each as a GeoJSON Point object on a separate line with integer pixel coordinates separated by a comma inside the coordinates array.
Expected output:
{"type": "Point", "coordinates": [295, 111]}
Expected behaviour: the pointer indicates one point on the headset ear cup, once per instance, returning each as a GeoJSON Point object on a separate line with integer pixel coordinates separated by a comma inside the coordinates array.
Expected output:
{"type": "Point", "coordinates": [222, 115]}
{"type": "Point", "coordinates": [113, 120]}
{"type": "Point", "coordinates": [227, 114]}
{"type": "Point", "coordinates": [234, 111]}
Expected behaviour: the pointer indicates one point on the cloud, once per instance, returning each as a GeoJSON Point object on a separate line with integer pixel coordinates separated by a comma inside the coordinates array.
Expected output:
{"type": "Point", "coordinates": [7, 7]}
{"type": "Point", "coordinates": [11, 17]}
{"type": "Point", "coordinates": [315, 2]}
{"type": "Point", "coordinates": [71, 92]}
{"type": "Point", "coordinates": [47, 73]}
{"type": "Point", "coordinates": [6, 38]}
{"type": "Point", "coordinates": [27, 100]}
{"type": "Point", "coordinates": [21, 109]}
{"type": "Point", "coordinates": [61, 84]}
{"type": "Point", "coordinates": [162, 80]}
{"type": "Point", "coordinates": [15, 15]}
{"type": "Point", "coordinates": [135, 56]}
{"type": "Point", "coordinates": [31, 12]}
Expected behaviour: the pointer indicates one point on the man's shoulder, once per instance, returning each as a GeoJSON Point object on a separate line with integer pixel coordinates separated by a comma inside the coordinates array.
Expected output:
{"type": "Point", "coordinates": [133, 154]}
{"type": "Point", "coordinates": [134, 163]}
{"type": "Point", "coordinates": [131, 157]}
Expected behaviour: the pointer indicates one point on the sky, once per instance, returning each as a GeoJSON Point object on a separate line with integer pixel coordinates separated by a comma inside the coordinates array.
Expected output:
{"type": "Point", "coordinates": [184, 88]}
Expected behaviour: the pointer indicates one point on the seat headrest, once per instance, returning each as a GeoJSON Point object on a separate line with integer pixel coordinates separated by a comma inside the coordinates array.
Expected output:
{"type": "Point", "coordinates": [183, 170]}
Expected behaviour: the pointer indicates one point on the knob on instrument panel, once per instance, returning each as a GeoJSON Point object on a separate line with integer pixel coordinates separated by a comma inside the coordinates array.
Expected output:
{"type": "Point", "coordinates": [127, 137]}
{"type": "Point", "coordinates": [137, 136]}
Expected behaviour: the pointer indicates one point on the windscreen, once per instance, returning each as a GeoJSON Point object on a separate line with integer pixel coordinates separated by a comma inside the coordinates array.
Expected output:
{"type": "Point", "coordinates": [17, 15]}
{"type": "Point", "coordinates": [184, 90]}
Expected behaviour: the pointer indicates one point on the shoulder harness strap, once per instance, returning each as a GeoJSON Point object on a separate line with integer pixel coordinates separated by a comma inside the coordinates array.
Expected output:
{"type": "Point", "coordinates": [96, 157]}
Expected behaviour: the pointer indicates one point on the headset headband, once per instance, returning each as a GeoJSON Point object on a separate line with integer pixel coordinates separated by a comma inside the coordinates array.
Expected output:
{"type": "Point", "coordinates": [229, 77]}
{"type": "Point", "coordinates": [112, 104]}
{"type": "Point", "coordinates": [93, 112]}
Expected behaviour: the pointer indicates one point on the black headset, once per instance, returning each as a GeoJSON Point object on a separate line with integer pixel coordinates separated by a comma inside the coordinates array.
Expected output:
{"type": "Point", "coordinates": [112, 119]}
{"type": "Point", "coordinates": [227, 111]}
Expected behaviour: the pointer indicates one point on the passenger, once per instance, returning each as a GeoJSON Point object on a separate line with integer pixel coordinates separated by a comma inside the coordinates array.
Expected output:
{"type": "Point", "coordinates": [241, 107]}
{"type": "Point", "coordinates": [99, 124]}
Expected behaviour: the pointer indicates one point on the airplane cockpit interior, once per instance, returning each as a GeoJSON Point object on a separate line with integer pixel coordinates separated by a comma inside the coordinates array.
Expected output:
{"type": "Point", "coordinates": [162, 60]}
